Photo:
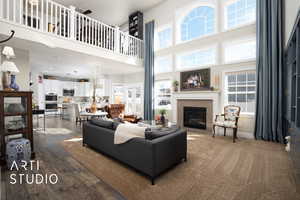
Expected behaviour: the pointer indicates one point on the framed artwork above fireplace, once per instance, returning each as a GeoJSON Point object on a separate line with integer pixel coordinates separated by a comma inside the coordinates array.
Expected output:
{"type": "Point", "coordinates": [197, 80]}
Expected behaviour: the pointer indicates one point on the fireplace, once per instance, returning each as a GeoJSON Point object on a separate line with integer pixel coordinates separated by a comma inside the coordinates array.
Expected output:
{"type": "Point", "coordinates": [194, 117]}
{"type": "Point", "coordinates": [195, 114]}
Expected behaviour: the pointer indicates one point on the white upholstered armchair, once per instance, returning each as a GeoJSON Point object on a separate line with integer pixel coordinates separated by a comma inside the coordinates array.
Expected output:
{"type": "Point", "coordinates": [228, 120]}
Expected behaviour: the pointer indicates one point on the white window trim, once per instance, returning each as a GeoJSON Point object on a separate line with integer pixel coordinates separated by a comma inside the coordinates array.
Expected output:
{"type": "Point", "coordinates": [223, 85]}
{"type": "Point", "coordinates": [177, 67]}
{"type": "Point", "coordinates": [243, 39]}
{"type": "Point", "coordinates": [160, 29]}
{"type": "Point", "coordinates": [185, 11]}
{"type": "Point", "coordinates": [169, 56]}
{"type": "Point", "coordinates": [225, 28]}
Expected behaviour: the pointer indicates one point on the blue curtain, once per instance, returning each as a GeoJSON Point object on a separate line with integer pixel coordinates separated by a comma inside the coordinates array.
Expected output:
{"type": "Point", "coordinates": [269, 71]}
{"type": "Point", "coordinates": [149, 71]}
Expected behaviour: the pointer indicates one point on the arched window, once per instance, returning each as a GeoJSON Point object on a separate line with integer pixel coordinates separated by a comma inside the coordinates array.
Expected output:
{"type": "Point", "coordinates": [200, 21]}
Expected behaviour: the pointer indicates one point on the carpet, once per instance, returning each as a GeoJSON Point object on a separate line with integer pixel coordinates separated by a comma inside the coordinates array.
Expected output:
{"type": "Point", "coordinates": [54, 131]}
{"type": "Point", "coordinates": [216, 169]}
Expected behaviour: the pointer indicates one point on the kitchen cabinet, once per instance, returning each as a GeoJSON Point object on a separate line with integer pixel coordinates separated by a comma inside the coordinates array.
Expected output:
{"type": "Point", "coordinates": [52, 86]}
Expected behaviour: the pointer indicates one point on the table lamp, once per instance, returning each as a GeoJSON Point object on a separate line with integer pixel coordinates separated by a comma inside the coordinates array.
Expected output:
{"type": "Point", "coordinates": [7, 68]}
{"type": "Point", "coordinates": [8, 52]}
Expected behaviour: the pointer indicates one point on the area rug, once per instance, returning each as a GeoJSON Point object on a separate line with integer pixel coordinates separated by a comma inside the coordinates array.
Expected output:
{"type": "Point", "coordinates": [54, 131]}
{"type": "Point", "coordinates": [216, 169]}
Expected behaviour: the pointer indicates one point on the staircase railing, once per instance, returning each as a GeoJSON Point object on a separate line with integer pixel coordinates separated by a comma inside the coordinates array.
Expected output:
{"type": "Point", "coordinates": [53, 18]}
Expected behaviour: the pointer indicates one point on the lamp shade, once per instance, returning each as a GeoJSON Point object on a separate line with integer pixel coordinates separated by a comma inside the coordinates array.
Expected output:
{"type": "Point", "coordinates": [8, 66]}
{"type": "Point", "coordinates": [8, 52]}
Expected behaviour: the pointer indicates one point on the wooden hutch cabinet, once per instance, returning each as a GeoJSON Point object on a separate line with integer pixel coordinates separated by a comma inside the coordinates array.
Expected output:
{"type": "Point", "coordinates": [15, 118]}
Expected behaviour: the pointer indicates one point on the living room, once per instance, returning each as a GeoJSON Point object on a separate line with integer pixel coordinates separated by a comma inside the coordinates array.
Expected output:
{"type": "Point", "coordinates": [164, 99]}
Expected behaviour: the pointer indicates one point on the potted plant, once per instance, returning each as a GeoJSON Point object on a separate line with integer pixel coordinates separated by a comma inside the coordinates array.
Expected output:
{"type": "Point", "coordinates": [175, 85]}
{"type": "Point", "coordinates": [162, 113]}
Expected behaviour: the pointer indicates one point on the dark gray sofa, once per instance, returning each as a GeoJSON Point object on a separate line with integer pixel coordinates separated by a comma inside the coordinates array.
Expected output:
{"type": "Point", "coordinates": [151, 157]}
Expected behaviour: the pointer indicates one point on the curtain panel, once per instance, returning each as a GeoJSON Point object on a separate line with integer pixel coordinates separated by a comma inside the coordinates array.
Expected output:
{"type": "Point", "coordinates": [269, 68]}
{"type": "Point", "coordinates": [149, 72]}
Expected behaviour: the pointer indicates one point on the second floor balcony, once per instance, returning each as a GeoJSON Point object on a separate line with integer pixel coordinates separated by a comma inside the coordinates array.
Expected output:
{"type": "Point", "coordinates": [51, 18]}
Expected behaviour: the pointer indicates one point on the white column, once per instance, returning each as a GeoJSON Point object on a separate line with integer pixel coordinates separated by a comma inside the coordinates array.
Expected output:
{"type": "Point", "coordinates": [72, 23]}
{"type": "Point", "coordinates": [117, 39]}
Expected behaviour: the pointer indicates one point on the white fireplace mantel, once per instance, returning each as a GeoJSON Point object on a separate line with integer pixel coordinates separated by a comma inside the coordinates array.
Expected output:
{"type": "Point", "coordinates": [215, 96]}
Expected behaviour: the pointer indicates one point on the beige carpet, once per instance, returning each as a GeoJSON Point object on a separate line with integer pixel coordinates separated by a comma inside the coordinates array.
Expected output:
{"type": "Point", "coordinates": [216, 169]}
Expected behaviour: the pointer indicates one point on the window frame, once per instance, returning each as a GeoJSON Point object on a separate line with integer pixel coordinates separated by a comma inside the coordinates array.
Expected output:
{"type": "Point", "coordinates": [225, 87]}
{"type": "Point", "coordinates": [156, 38]}
{"type": "Point", "coordinates": [184, 12]}
{"type": "Point", "coordinates": [225, 18]}
{"type": "Point", "coordinates": [168, 56]}
{"type": "Point", "coordinates": [178, 61]}
{"type": "Point", "coordinates": [235, 42]}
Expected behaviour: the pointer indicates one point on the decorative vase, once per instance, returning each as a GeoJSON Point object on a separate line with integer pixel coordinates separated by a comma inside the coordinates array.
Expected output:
{"type": "Point", "coordinates": [162, 119]}
{"type": "Point", "coordinates": [175, 88]}
{"type": "Point", "coordinates": [94, 107]}
{"type": "Point", "coordinates": [13, 83]}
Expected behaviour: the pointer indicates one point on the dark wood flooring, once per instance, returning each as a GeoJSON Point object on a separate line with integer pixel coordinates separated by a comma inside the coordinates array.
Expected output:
{"type": "Point", "coordinates": [75, 181]}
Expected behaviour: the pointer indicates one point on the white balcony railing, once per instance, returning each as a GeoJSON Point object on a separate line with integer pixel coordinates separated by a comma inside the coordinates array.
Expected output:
{"type": "Point", "coordinates": [53, 18]}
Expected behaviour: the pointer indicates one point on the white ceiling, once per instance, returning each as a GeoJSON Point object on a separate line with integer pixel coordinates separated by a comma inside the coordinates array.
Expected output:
{"type": "Point", "coordinates": [60, 62]}
{"type": "Point", "coordinates": [112, 12]}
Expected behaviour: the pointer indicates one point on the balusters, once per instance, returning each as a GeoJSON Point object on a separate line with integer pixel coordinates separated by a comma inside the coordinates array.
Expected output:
{"type": "Point", "coordinates": [31, 15]}
{"type": "Point", "coordinates": [42, 15]}
{"type": "Point", "coordinates": [55, 19]}
{"type": "Point", "coordinates": [51, 16]}
{"type": "Point", "coordinates": [14, 10]}
{"type": "Point", "coordinates": [47, 15]}
{"type": "Point", "coordinates": [20, 11]}
{"type": "Point", "coordinates": [37, 16]}
{"type": "Point", "coordinates": [65, 23]}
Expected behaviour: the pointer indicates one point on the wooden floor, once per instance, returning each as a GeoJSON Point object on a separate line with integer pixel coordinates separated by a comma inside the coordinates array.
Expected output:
{"type": "Point", "coordinates": [75, 181]}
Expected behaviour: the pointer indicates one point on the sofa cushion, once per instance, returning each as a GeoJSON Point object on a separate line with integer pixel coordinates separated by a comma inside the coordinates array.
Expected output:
{"type": "Point", "coordinates": [102, 123]}
{"type": "Point", "coordinates": [156, 133]}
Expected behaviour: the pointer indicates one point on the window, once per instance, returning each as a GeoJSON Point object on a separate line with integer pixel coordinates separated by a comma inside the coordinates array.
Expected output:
{"type": "Point", "coordinates": [163, 38]}
{"type": "Point", "coordinates": [196, 59]}
{"type": "Point", "coordinates": [199, 22]}
{"type": "Point", "coordinates": [240, 12]}
{"type": "Point", "coordinates": [240, 90]}
{"type": "Point", "coordinates": [162, 94]}
{"type": "Point", "coordinates": [118, 94]}
{"type": "Point", "coordinates": [163, 64]}
{"type": "Point", "coordinates": [240, 51]}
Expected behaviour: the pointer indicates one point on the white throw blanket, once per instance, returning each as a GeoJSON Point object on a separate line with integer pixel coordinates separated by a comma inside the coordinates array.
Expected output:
{"type": "Point", "coordinates": [126, 132]}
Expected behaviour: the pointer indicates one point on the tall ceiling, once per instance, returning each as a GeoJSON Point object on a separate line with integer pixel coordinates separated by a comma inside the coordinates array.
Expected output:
{"type": "Point", "coordinates": [112, 12]}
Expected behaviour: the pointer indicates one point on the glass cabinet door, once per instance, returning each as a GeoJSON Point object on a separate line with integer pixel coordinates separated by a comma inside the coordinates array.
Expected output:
{"type": "Point", "coordinates": [15, 116]}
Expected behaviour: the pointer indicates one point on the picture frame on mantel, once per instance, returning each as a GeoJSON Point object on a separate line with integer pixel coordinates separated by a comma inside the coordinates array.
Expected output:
{"type": "Point", "coordinates": [196, 80]}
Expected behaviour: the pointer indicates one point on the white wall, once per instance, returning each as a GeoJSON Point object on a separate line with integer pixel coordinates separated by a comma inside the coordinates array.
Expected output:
{"type": "Point", "coordinates": [168, 13]}
{"type": "Point", "coordinates": [291, 10]}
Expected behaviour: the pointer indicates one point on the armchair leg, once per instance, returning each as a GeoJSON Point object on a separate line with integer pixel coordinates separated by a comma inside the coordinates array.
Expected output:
{"type": "Point", "coordinates": [234, 136]}
{"type": "Point", "coordinates": [214, 130]}
{"type": "Point", "coordinates": [152, 180]}
{"type": "Point", "coordinates": [224, 131]}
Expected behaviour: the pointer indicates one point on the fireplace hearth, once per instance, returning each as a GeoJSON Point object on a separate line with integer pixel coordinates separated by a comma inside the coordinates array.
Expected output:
{"type": "Point", "coordinates": [194, 117]}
